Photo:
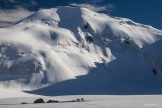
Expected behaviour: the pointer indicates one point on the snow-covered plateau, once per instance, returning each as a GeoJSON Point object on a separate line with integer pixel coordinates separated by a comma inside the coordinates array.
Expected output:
{"type": "Point", "coordinates": [75, 51]}
{"type": "Point", "coordinates": [91, 101]}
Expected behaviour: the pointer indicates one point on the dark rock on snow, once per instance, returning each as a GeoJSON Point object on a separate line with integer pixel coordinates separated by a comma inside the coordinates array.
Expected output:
{"type": "Point", "coordinates": [52, 101]}
{"type": "Point", "coordinates": [40, 100]}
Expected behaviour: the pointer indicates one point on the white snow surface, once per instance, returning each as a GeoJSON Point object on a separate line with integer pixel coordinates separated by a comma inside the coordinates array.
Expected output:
{"type": "Point", "coordinates": [91, 101]}
{"type": "Point", "coordinates": [49, 50]}
{"type": "Point", "coordinates": [14, 99]}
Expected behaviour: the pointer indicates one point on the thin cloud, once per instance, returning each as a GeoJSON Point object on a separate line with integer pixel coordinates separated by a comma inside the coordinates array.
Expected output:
{"type": "Point", "coordinates": [13, 15]}
{"type": "Point", "coordinates": [97, 8]}
{"type": "Point", "coordinates": [12, 4]}
{"type": "Point", "coordinates": [12, 1]}
{"type": "Point", "coordinates": [33, 3]}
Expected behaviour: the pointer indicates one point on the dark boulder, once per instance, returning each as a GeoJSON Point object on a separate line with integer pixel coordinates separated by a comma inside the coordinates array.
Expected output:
{"type": "Point", "coordinates": [85, 26]}
{"type": "Point", "coordinates": [40, 100]}
{"type": "Point", "coordinates": [89, 39]}
{"type": "Point", "coordinates": [52, 101]}
{"type": "Point", "coordinates": [127, 42]}
{"type": "Point", "coordinates": [23, 103]}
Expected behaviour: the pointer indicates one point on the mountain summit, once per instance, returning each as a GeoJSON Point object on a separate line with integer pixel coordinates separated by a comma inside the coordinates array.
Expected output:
{"type": "Point", "coordinates": [56, 45]}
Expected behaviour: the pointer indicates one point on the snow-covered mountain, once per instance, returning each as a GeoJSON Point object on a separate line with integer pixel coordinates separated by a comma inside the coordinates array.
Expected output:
{"type": "Point", "coordinates": [51, 47]}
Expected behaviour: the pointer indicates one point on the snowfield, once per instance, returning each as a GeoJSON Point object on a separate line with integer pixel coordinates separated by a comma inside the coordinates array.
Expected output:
{"type": "Point", "coordinates": [75, 51]}
{"type": "Point", "coordinates": [91, 101]}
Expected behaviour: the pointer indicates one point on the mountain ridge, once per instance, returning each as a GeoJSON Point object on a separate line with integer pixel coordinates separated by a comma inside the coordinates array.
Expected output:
{"type": "Point", "coordinates": [51, 47]}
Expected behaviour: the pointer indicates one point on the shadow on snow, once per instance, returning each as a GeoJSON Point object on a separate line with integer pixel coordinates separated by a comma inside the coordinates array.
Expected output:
{"type": "Point", "coordinates": [118, 77]}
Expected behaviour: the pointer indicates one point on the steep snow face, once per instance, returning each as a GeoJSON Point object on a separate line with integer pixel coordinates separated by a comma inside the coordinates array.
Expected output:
{"type": "Point", "coordinates": [51, 46]}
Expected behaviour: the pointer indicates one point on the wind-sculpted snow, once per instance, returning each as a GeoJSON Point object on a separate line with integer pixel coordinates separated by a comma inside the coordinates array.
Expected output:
{"type": "Point", "coordinates": [51, 46]}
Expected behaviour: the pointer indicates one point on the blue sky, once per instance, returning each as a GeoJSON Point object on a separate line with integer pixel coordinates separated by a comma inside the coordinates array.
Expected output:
{"type": "Point", "coordinates": [142, 11]}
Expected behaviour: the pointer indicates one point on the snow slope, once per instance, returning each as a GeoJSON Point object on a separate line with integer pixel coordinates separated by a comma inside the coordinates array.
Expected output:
{"type": "Point", "coordinates": [7, 94]}
{"type": "Point", "coordinates": [49, 49]}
